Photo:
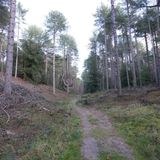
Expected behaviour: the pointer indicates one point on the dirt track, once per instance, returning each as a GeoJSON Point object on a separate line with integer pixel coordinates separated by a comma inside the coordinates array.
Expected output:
{"type": "Point", "coordinates": [106, 138]}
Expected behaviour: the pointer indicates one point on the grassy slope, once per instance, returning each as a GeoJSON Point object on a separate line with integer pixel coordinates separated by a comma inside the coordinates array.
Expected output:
{"type": "Point", "coordinates": [38, 134]}
{"type": "Point", "coordinates": [139, 124]}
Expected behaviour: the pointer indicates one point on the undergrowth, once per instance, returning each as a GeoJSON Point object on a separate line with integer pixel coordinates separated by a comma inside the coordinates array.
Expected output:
{"type": "Point", "coordinates": [39, 134]}
{"type": "Point", "coordinates": [140, 127]}
{"type": "Point", "coordinates": [137, 123]}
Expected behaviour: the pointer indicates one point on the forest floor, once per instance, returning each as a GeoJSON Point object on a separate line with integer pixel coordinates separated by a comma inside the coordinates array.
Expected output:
{"type": "Point", "coordinates": [37, 125]}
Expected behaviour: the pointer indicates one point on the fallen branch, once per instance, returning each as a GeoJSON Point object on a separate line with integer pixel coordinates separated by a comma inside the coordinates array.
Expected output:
{"type": "Point", "coordinates": [45, 109]}
{"type": "Point", "coordinates": [8, 116]}
{"type": "Point", "coordinates": [2, 95]}
{"type": "Point", "coordinates": [24, 103]}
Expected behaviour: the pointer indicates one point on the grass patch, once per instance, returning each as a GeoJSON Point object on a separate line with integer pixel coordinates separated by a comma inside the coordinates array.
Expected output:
{"type": "Point", "coordinates": [100, 133]}
{"type": "Point", "coordinates": [140, 127]}
{"type": "Point", "coordinates": [92, 120]}
{"type": "Point", "coordinates": [73, 150]}
{"type": "Point", "coordinates": [43, 135]}
{"type": "Point", "coordinates": [111, 156]}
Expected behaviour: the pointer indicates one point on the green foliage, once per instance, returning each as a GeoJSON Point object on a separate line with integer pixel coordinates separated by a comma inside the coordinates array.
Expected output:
{"type": "Point", "coordinates": [4, 18]}
{"type": "Point", "coordinates": [55, 22]}
{"type": "Point", "coordinates": [140, 126]}
{"type": "Point", "coordinates": [91, 75]}
{"type": "Point", "coordinates": [142, 22]}
{"type": "Point", "coordinates": [4, 14]}
{"type": "Point", "coordinates": [21, 12]}
{"type": "Point", "coordinates": [33, 61]}
{"type": "Point", "coordinates": [31, 58]}
{"type": "Point", "coordinates": [103, 18]}
{"type": "Point", "coordinates": [124, 75]}
{"type": "Point", "coordinates": [146, 77]}
{"type": "Point", "coordinates": [68, 44]}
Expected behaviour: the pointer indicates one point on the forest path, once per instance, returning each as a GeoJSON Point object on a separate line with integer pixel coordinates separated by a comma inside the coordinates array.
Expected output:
{"type": "Point", "coordinates": [99, 135]}
{"type": "Point", "coordinates": [98, 132]}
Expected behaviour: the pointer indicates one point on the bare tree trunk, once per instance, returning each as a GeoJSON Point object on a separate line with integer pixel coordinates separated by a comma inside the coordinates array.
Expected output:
{"type": "Point", "coordinates": [157, 48]}
{"type": "Point", "coordinates": [154, 54]}
{"type": "Point", "coordinates": [67, 76]}
{"type": "Point", "coordinates": [106, 64]}
{"type": "Point", "coordinates": [147, 51]}
{"type": "Point", "coordinates": [17, 49]}
{"type": "Point", "coordinates": [127, 73]}
{"type": "Point", "coordinates": [54, 66]}
{"type": "Point", "coordinates": [46, 65]}
{"type": "Point", "coordinates": [126, 60]}
{"type": "Point", "coordinates": [139, 64]}
{"type": "Point", "coordinates": [1, 51]}
{"type": "Point", "coordinates": [9, 65]}
{"type": "Point", "coordinates": [131, 47]}
{"type": "Point", "coordinates": [114, 32]}
{"type": "Point", "coordinates": [113, 69]}
{"type": "Point", "coordinates": [157, 61]}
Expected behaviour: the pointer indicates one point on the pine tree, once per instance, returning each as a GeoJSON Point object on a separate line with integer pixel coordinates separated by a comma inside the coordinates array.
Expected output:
{"type": "Point", "coordinates": [8, 75]}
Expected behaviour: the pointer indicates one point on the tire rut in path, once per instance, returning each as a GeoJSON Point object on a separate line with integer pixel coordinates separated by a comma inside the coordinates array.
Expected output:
{"type": "Point", "coordinates": [89, 148]}
{"type": "Point", "coordinates": [108, 140]}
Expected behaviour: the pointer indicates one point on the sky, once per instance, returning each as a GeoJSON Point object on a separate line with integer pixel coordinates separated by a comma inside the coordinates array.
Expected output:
{"type": "Point", "coordinates": [79, 15]}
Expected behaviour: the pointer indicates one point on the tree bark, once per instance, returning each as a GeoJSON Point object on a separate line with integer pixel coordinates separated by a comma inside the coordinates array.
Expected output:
{"type": "Point", "coordinates": [46, 65]}
{"type": "Point", "coordinates": [9, 65]}
{"type": "Point", "coordinates": [17, 49]}
{"type": "Point", "coordinates": [147, 51]}
{"type": "Point", "coordinates": [130, 49]}
{"type": "Point", "coordinates": [54, 66]}
{"type": "Point", "coordinates": [126, 60]}
{"type": "Point", "coordinates": [157, 48]}
{"type": "Point", "coordinates": [154, 53]}
{"type": "Point", "coordinates": [139, 63]}
{"type": "Point", "coordinates": [106, 64]}
{"type": "Point", "coordinates": [0, 51]}
{"type": "Point", "coordinates": [114, 32]}
{"type": "Point", "coordinates": [157, 61]}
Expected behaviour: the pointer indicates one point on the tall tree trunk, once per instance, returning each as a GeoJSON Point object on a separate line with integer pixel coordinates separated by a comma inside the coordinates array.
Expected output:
{"type": "Point", "coordinates": [147, 50]}
{"type": "Point", "coordinates": [46, 66]}
{"type": "Point", "coordinates": [1, 51]}
{"type": "Point", "coordinates": [154, 53]}
{"type": "Point", "coordinates": [157, 48]}
{"type": "Point", "coordinates": [126, 60]}
{"type": "Point", "coordinates": [139, 63]}
{"type": "Point", "coordinates": [157, 61]}
{"type": "Point", "coordinates": [9, 65]}
{"type": "Point", "coordinates": [1, 58]}
{"type": "Point", "coordinates": [54, 65]}
{"type": "Point", "coordinates": [114, 32]}
{"type": "Point", "coordinates": [130, 49]}
{"type": "Point", "coordinates": [112, 66]}
{"type": "Point", "coordinates": [106, 64]}
{"type": "Point", "coordinates": [17, 49]}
